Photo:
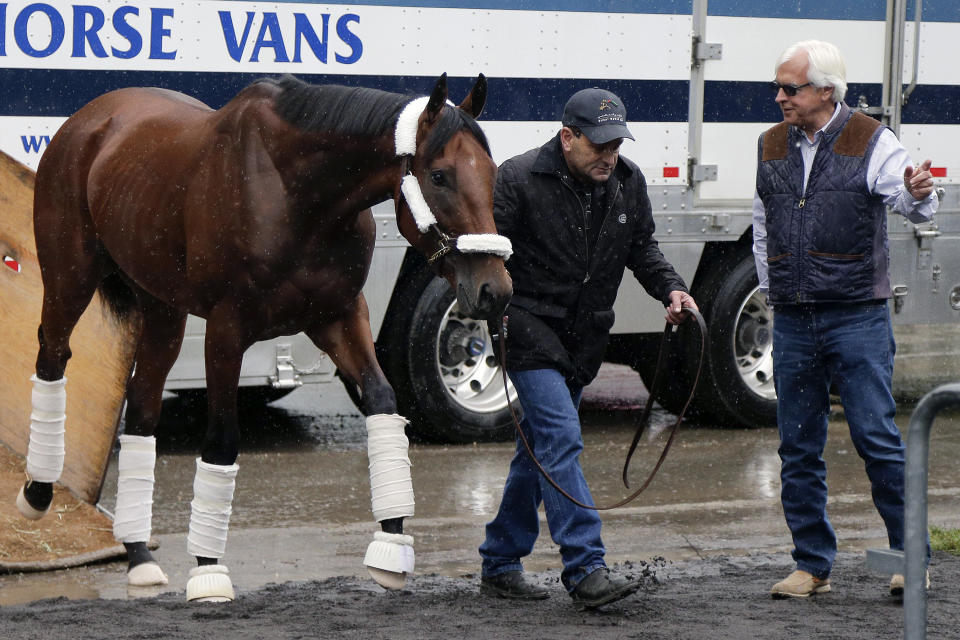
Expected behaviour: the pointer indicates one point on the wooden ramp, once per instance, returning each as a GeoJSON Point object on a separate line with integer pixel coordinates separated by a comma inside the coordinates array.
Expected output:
{"type": "Point", "coordinates": [102, 358]}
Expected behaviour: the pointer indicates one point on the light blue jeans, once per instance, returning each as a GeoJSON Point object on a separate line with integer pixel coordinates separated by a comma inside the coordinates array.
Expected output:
{"type": "Point", "coordinates": [552, 426]}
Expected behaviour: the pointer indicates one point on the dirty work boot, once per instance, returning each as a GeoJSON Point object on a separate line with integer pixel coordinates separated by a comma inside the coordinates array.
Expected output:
{"type": "Point", "coordinates": [799, 584]}
{"type": "Point", "coordinates": [513, 586]}
{"type": "Point", "coordinates": [600, 588]}
{"type": "Point", "coordinates": [897, 582]}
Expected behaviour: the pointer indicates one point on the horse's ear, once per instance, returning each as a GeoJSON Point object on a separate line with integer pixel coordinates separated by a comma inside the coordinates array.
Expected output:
{"type": "Point", "coordinates": [437, 99]}
{"type": "Point", "coordinates": [473, 103]}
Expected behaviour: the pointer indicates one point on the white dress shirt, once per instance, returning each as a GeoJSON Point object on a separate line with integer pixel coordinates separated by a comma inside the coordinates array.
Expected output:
{"type": "Point", "coordinates": [884, 177]}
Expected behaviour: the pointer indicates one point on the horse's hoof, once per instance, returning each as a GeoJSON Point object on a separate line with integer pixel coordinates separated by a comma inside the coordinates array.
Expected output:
{"type": "Point", "coordinates": [148, 574]}
{"type": "Point", "coordinates": [209, 583]}
{"type": "Point", "coordinates": [27, 510]}
{"type": "Point", "coordinates": [388, 579]}
{"type": "Point", "coordinates": [389, 559]}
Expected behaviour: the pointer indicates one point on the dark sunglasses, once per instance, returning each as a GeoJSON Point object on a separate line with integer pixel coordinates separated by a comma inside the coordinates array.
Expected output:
{"type": "Point", "coordinates": [789, 89]}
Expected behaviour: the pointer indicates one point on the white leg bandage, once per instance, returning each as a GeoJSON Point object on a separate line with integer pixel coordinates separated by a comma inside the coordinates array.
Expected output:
{"type": "Point", "coordinates": [132, 518]}
{"type": "Point", "coordinates": [391, 490]}
{"type": "Point", "coordinates": [211, 508]}
{"type": "Point", "coordinates": [46, 449]}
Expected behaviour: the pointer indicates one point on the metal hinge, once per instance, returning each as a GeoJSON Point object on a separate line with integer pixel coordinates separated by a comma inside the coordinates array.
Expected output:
{"type": "Point", "coordinates": [935, 272]}
{"type": "Point", "coordinates": [701, 172]}
{"type": "Point", "coordinates": [900, 292]}
{"type": "Point", "coordinates": [286, 376]}
{"type": "Point", "coordinates": [720, 221]}
{"type": "Point", "coordinates": [705, 51]}
{"type": "Point", "coordinates": [864, 107]}
{"type": "Point", "coordinates": [926, 234]}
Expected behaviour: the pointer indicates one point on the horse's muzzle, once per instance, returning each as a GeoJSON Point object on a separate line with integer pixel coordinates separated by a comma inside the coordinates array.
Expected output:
{"type": "Point", "coordinates": [485, 300]}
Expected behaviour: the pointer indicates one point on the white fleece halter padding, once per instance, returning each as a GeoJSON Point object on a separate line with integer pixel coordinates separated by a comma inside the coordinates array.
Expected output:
{"type": "Point", "coordinates": [211, 508]}
{"type": "Point", "coordinates": [391, 489]}
{"type": "Point", "coordinates": [405, 141]}
{"type": "Point", "coordinates": [46, 449]}
{"type": "Point", "coordinates": [418, 205]}
{"type": "Point", "coordinates": [485, 243]}
{"type": "Point", "coordinates": [405, 135]}
{"type": "Point", "coordinates": [133, 515]}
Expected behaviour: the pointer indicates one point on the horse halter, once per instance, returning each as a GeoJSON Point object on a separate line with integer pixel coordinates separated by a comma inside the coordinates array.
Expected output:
{"type": "Point", "coordinates": [405, 140]}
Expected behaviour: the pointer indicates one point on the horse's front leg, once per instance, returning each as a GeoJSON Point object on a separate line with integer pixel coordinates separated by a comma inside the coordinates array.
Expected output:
{"type": "Point", "coordinates": [216, 473]}
{"type": "Point", "coordinates": [349, 343]}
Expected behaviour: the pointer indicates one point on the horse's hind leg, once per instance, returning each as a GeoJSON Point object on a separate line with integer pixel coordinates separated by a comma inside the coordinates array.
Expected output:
{"type": "Point", "coordinates": [349, 344]}
{"type": "Point", "coordinates": [226, 339]}
{"type": "Point", "coordinates": [157, 350]}
{"type": "Point", "coordinates": [71, 269]}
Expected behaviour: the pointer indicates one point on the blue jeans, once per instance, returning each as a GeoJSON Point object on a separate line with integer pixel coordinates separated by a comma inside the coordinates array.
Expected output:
{"type": "Point", "coordinates": [851, 346]}
{"type": "Point", "coordinates": [552, 426]}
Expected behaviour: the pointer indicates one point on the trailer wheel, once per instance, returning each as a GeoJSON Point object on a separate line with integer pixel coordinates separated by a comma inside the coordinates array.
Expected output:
{"type": "Point", "coordinates": [737, 386]}
{"type": "Point", "coordinates": [453, 390]}
{"type": "Point", "coordinates": [673, 388]}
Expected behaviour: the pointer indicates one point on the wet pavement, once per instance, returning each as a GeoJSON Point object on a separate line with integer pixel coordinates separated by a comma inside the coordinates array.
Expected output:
{"type": "Point", "coordinates": [302, 510]}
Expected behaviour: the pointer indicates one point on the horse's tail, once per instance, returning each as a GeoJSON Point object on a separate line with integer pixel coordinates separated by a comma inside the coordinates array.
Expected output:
{"type": "Point", "coordinates": [118, 298]}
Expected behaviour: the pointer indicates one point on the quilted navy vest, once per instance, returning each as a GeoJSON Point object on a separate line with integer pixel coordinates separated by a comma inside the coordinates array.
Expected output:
{"type": "Point", "coordinates": [830, 243]}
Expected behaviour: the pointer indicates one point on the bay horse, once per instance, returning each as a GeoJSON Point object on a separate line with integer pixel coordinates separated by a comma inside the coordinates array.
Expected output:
{"type": "Point", "coordinates": [256, 217]}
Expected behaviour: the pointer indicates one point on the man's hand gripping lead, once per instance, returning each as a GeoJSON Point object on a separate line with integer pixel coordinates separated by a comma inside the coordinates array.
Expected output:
{"type": "Point", "coordinates": [675, 310]}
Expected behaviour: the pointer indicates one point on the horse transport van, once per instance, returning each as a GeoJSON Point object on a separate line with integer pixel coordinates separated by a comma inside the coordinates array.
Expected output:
{"type": "Point", "coordinates": [694, 75]}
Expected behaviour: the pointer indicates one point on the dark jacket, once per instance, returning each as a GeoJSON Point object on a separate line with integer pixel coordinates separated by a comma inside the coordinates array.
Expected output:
{"type": "Point", "coordinates": [562, 308]}
{"type": "Point", "coordinates": [828, 244]}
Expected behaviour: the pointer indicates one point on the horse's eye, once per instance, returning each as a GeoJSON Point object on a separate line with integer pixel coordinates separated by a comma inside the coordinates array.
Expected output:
{"type": "Point", "coordinates": [438, 178]}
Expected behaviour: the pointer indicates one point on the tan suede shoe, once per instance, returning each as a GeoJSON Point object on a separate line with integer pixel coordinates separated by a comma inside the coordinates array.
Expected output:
{"type": "Point", "coordinates": [800, 584]}
{"type": "Point", "coordinates": [897, 582]}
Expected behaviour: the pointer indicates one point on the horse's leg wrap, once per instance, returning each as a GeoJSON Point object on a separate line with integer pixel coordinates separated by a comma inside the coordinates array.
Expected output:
{"type": "Point", "coordinates": [134, 510]}
{"type": "Point", "coordinates": [389, 557]}
{"type": "Point", "coordinates": [45, 452]}
{"type": "Point", "coordinates": [207, 538]}
{"type": "Point", "coordinates": [391, 490]}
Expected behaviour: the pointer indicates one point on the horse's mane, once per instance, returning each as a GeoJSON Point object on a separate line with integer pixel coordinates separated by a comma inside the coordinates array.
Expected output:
{"type": "Point", "coordinates": [335, 108]}
{"type": "Point", "coordinates": [360, 111]}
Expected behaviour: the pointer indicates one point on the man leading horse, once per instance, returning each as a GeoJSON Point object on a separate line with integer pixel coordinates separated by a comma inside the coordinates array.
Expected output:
{"type": "Point", "coordinates": [577, 214]}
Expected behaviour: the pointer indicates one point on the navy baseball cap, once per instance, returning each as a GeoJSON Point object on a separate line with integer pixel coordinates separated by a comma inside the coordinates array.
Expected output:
{"type": "Point", "coordinates": [598, 113]}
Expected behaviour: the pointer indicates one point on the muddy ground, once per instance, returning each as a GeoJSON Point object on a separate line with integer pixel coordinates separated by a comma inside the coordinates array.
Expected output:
{"type": "Point", "coordinates": [709, 598]}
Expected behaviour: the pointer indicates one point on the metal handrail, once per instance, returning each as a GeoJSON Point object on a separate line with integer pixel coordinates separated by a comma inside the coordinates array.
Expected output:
{"type": "Point", "coordinates": [915, 510]}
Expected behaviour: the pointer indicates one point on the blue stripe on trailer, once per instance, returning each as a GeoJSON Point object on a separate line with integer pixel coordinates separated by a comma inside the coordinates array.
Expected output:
{"type": "Point", "coordinates": [56, 92]}
{"type": "Point", "coordinates": [753, 102]}
{"type": "Point", "coordinates": [933, 10]}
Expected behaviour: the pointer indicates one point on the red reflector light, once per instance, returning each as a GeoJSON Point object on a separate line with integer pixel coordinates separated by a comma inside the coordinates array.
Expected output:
{"type": "Point", "coordinates": [11, 263]}
{"type": "Point", "coordinates": [938, 172]}
{"type": "Point", "coordinates": [671, 172]}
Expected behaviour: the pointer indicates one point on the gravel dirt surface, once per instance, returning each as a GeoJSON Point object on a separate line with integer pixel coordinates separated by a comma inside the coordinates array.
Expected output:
{"type": "Point", "coordinates": [709, 598]}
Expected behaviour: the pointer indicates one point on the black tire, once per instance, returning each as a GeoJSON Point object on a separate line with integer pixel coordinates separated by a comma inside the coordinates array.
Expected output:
{"type": "Point", "coordinates": [736, 387]}
{"type": "Point", "coordinates": [673, 388]}
{"type": "Point", "coordinates": [451, 387]}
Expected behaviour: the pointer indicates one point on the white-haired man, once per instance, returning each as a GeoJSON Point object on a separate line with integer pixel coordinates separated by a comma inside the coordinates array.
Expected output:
{"type": "Point", "coordinates": [825, 176]}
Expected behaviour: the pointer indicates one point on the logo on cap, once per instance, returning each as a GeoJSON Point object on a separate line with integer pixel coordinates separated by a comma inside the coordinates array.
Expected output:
{"type": "Point", "coordinates": [607, 103]}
